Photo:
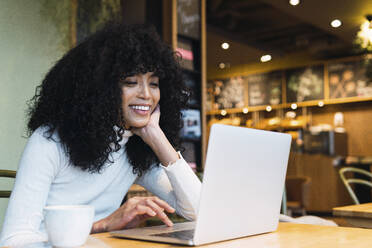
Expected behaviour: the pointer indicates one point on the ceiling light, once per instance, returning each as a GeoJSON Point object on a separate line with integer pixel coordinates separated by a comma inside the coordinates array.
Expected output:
{"type": "Point", "coordinates": [222, 65]}
{"type": "Point", "coordinates": [293, 106]}
{"type": "Point", "coordinates": [265, 58]}
{"type": "Point", "coordinates": [245, 110]}
{"type": "Point", "coordinates": [225, 45]}
{"type": "Point", "coordinates": [223, 112]}
{"type": "Point", "coordinates": [336, 23]}
{"type": "Point", "coordinates": [320, 103]}
{"type": "Point", "coordinates": [294, 2]}
{"type": "Point", "coordinates": [269, 108]}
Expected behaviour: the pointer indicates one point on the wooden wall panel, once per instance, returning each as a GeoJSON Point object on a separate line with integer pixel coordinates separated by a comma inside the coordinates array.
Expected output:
{"type": "Point", "coordinates": [327, 190]}
{"type": "Point", "coordinates": [170, 22]}
{"type": "Point", "coordinates": [358, 124]}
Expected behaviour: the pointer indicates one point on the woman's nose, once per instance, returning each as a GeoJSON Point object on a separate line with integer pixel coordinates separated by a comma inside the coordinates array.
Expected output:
{"type": "Point", "coordinates": [144, 91]}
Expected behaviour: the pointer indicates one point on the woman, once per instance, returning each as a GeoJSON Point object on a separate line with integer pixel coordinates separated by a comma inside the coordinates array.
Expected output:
{"type": "Point", "coordinates": [96, 129]}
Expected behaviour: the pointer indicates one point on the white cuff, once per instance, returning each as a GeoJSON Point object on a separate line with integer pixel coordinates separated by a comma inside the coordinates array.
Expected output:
{"type": "Point", "coordinates": [180, 160]}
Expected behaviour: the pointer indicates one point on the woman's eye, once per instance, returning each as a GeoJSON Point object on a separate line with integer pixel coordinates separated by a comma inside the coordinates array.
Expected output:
{"type": "Point", "coordinates": [154, 84]}
{"type": "Point", "coordinates": [129, 83]}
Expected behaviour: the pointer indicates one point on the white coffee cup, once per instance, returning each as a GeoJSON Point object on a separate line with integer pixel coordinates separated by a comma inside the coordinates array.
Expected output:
{"type": "Point", "coordinates": [68, 225]}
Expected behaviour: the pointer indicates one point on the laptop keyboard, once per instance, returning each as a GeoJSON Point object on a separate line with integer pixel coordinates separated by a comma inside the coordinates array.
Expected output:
{"type": "Point", "coordinates": [184, 234]}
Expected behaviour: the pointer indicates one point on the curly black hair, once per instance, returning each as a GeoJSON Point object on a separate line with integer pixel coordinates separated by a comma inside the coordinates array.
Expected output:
{"type": "Point", "coordinates": [80, 97]}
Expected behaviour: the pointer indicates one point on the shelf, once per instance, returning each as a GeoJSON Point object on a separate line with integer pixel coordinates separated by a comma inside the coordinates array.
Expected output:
{"type": "Point", "coordinates": [240, 110]}
{"type": "Point", "coordinates": [288, 105]}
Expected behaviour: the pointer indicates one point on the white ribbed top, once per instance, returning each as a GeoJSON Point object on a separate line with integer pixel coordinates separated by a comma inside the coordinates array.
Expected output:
{"type": "Point", "coordinates": [45, 177]}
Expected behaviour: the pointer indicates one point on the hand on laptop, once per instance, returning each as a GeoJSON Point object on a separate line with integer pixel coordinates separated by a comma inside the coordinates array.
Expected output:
{"type": "Point", "coordinates": [133, 212]}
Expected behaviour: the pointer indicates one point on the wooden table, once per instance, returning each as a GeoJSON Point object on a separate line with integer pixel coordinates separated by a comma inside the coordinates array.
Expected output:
{"type": "Point", "coordinates": [288, 235]}
{"type": "Point", "coordinates": [357, 215]}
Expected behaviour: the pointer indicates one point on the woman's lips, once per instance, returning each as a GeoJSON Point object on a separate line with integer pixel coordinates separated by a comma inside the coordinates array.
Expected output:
{"type": "Point", "coordinates": [140, 109]}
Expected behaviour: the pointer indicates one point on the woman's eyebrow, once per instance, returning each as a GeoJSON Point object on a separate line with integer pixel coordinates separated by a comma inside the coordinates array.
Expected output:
{"type": "Point", "coordinates": [133, 77]}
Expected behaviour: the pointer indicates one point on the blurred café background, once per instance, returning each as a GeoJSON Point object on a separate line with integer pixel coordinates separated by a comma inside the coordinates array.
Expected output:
{"type": "Point", "coordinates": [297, 66]}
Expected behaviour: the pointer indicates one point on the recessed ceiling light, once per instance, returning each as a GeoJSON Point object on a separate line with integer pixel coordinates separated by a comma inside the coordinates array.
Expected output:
{"type": "Point", "coordinates": [336, 23]}
{"type": "Point", "coordinates": [269, 108]}
{"type": "Point", "coordinates": [222, 65]}
{"type": "Point", "coordinates": [223, 112]}
{"type": "Point", "coordinates": [266, 58]}
{"type": "Point", "coordinates": [294, 2]}
{"type": "Point", "coordinates": [225, 45]}
{"type": "Point", "coordinates": [245, 110]}
{"type": "Point", "coordinates": [293, 106]}
{"type": "Point", "coordinates": [320, 103]}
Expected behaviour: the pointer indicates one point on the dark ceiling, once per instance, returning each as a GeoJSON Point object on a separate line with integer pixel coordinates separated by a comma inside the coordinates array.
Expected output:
{"type": "Point", "coordinates": [275, 27]}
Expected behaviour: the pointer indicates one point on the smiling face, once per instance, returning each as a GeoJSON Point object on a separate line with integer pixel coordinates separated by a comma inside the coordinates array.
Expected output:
{"type": "Point", "coordinates": [140, 96]}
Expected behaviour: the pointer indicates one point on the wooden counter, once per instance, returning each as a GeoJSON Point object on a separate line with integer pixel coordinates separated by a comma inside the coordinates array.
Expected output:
{"type": "Point", "coordinates": [327, 190]}
{"type": "Point", "coordinates": [288, 235]}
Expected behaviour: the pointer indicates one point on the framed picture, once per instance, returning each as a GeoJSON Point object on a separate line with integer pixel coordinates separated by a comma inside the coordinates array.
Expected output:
{"type": "Point", "coordinates": [265, 89]}
{"type": "Point", "coordinates": [229, 93]}
{"type": "Point", "coordinates": [188, 18]}
{"type": "Point", "coordinates": [191, 82]}
{"type": "Point", "coordinates": [91, 15]}
{"type": "Point", "coordinates": [305, 84]}
{"type": "Point", "coordinates": [349, 79]}
{"type": "Point", "coordinates": [184, 47]}
{"type": "Point", "coordinates": [189, 154]}
{"type": "Point", "coordinates": [191, 124]}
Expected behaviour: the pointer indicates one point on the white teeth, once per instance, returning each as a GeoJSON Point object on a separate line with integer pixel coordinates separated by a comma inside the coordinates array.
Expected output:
{"type": "Point", "coordinates": [145, 108]}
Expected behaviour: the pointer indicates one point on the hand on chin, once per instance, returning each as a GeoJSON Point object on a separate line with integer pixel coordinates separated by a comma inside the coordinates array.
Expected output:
{"type": "Point", "coordinates": [149, 129]}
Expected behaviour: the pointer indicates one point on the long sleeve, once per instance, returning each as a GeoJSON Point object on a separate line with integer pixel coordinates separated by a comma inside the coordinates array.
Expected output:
{"type": "Point", "coordinates": [37, 168]}
{"type": "Point", "coordinates": [177, 184]}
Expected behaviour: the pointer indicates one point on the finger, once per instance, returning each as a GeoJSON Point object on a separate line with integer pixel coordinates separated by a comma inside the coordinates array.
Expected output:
{"type": "Point", "coordinates": [163, 217]}
{"type": "Point", "coordinates": [166, 220]}
{"type": "Point", "coordinates": [132, 202]}
{"type": "Point", "coordinates": [98, 226]}
{"type": "Point", "coordinates": [163, 204]}
{"type": "Point", "coordinates": [157, 109]}
{"type": "Point", "coordinates": [159, 210]}
{"type": "Point", "coordinates": [141, 209]}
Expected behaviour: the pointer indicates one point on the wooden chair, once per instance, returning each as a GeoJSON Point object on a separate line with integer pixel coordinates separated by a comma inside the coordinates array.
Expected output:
{"type": "Point", "coordinates": [6, 174]}
{"type": "Point", "coordinates": [297, 194]}
{"type": "Point", "coordinates": [349, 181]}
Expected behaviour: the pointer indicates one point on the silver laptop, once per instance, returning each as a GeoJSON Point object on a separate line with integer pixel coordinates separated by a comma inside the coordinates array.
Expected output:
{"type": "Point", "coordinates": [242, 189]}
